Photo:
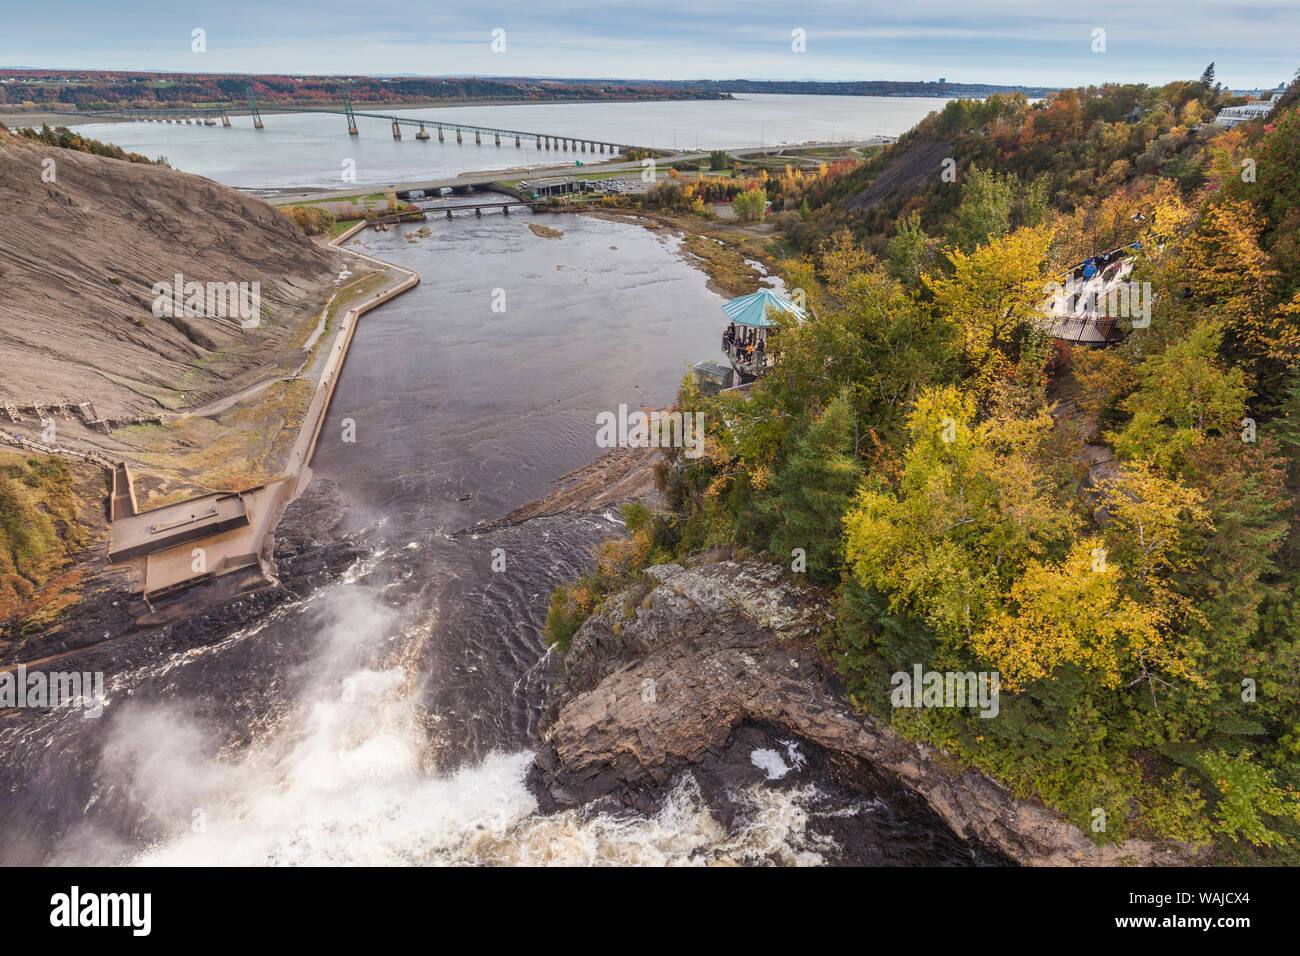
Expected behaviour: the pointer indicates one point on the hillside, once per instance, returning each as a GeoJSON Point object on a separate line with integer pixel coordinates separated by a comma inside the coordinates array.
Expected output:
{"type": "Point", "coordinates": [1108, 537]}
{"type": "Point", "coordinates": [907, 171]}
{"type": "Point", "coordinates": [1073, 148]}
{"type": "Point", "coordinates": [82, 255]}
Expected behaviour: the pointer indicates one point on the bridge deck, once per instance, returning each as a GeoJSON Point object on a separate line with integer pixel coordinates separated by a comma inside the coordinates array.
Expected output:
{"type": "Point", "coordinates": [397, 119]}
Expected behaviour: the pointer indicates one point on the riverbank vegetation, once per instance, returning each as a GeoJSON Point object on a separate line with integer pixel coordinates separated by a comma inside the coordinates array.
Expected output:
{"type": "Point", "coordinates": [41, 527]}
{"type": "Point", "coordinates": [313, 220]}
{"type": "Point", "coordinates": [1113, 532]}
{"type": "Point", "coordinates": [749, 190]}
{"type": "Point", "coordinates": [619, 564]}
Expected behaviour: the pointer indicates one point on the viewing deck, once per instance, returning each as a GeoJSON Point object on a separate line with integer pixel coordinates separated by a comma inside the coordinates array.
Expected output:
{"type": "Point", "coordinates": [747, 361]}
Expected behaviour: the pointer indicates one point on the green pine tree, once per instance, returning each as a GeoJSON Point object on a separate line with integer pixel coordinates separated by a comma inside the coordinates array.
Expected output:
{"type": "Point", "coordinates": [907, 253]}
{"type": "Point", "coordinates": [813, 489]}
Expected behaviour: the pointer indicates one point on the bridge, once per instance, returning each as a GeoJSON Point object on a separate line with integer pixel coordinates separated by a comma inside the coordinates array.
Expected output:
{"type": "Point", "coordinates": [479, 207]}
{"type": "Point", "coordinates": [211, 116]}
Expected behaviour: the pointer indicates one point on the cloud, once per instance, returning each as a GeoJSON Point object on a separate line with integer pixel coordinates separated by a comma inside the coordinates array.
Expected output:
{"type": "Point", "coordinates": [1011, 41]}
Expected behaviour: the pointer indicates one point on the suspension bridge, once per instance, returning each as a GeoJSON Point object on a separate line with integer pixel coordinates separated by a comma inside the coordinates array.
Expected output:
{"type": "Point", "coordinates": [212, 116]}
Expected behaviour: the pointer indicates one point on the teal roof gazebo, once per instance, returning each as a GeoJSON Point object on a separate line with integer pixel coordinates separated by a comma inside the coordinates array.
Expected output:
{"type": "Point", "coordinates": [752, 309]}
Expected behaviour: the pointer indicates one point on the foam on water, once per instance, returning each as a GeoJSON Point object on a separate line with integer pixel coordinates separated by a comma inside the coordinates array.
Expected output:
{"type": "Point", "coordinates": [348, 775]}
{"type": "Point", "coordinates": [382, 714]}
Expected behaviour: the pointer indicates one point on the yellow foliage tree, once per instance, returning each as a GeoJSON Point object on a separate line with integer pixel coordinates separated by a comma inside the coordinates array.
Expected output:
{"type": "Point", "coordinates": [972, 505]}
{"type": "Point", "coordinates": [1228, 266]}
{"type": "Point", "coordinates": [1074, 612]}
{"type": "Point", "coordinates": [993, 291]}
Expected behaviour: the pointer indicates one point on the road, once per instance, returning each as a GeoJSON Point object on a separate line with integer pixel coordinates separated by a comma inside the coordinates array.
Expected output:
{"type": "Point", "coordinates": [487, 177]}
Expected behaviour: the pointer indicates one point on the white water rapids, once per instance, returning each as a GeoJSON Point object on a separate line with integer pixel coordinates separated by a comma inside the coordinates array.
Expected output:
{"type": "Point", "coordinates": [347, 776]}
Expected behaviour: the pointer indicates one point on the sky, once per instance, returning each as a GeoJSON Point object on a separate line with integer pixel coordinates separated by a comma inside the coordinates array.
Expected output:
{"type": "Point", "coordinates": [1031, 42]}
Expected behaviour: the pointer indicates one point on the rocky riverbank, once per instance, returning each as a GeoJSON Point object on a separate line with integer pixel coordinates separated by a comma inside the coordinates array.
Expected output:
{"type": "Point", "coordinates": [676, 674]}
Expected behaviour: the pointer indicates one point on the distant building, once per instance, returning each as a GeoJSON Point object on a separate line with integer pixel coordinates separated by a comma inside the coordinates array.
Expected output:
{"type": "Point", "coordinates": [1232, 115]}
{"type": "Point", "coordinates": [539, 188]}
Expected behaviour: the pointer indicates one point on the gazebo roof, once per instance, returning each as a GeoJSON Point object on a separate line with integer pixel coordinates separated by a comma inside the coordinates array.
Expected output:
{"type": "Point", "coordinates": [752, 309]}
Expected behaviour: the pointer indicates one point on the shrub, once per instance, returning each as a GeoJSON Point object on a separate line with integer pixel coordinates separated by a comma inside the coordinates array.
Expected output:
{"type": "Point", "coordinates": [310, 219]}
{"type": "Point", "coordinates": [751, 205]}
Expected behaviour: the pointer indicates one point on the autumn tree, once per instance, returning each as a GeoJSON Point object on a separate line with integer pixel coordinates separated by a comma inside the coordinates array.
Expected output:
{"type": "Point", "coordinates": [994, 294]}
{"type": "Point", "coordinates": [751, 205]}
{"type": "Point", "coordinates": [1072, 612]}
{"type": "Point", "coordinates": [1228, 268]}
{"type": "Point", "coordinates": [1184, 394]}
{"type": "Point", "coordinates": [910, 252]}
{"type": "Point", "coordinates": [971, 507]}
{"type": "Point", "coordinates": [985, 210]}
{"type": "Point", "coordinates": [865, 331]}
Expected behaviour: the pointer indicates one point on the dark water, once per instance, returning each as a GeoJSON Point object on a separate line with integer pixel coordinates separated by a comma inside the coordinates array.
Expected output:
{"type": "Point", "coordinates": [379, 708]}
{"type": "Point", "coordinates": [452, 400]}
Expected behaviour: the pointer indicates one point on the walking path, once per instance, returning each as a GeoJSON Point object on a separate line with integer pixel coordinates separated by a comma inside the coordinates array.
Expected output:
{"type": "Point", "coordinates": [230, 532]}
{"type": "Point", "coordinates": [305, 447]}
{"type": "Point", "coordinates": [543, 171]}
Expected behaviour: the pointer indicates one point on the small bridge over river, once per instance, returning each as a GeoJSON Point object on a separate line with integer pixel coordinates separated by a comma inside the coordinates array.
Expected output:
{"type": "Point", "coordinates": [479, 207]}
{"type": "Point", "coordinates": [212, 116]}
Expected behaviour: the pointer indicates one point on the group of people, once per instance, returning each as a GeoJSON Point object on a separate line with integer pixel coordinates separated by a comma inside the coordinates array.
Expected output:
{"type": "Point", "coordinates": [744, 342]}
{"type": "Point", "coordinates": [1106, 262]}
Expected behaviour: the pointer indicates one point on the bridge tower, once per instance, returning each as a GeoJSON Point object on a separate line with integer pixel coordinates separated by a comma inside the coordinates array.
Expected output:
{"type": "Point", "coordinates": [423, 133]}
{"type": "Point", "coordinates": [253, 111]}
{"type": "Point", "coordinates": [347, 111]}
{"type": "Point", "coordinates": [397, 130]}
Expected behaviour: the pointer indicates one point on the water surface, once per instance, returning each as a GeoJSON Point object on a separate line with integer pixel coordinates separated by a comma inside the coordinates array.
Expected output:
{"type": "Point", "coordinates": [385, 714]}
{"type": "Point", "coordinates": [309, 149]}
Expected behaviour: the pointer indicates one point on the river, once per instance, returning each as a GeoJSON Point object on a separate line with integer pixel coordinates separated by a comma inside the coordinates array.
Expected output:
{"type": "Point", "coordinates": [309, 150]}
{"type": "Point", "coordinates": [380, 709]}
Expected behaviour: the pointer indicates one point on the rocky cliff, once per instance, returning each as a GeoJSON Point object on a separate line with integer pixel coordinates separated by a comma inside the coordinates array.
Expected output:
{"type": "Point", "coordinates": [664, 681]}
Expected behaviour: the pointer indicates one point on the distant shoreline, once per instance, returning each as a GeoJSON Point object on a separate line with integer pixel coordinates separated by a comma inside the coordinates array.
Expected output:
{"type": "Point", "coordinates": [12, 118]}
